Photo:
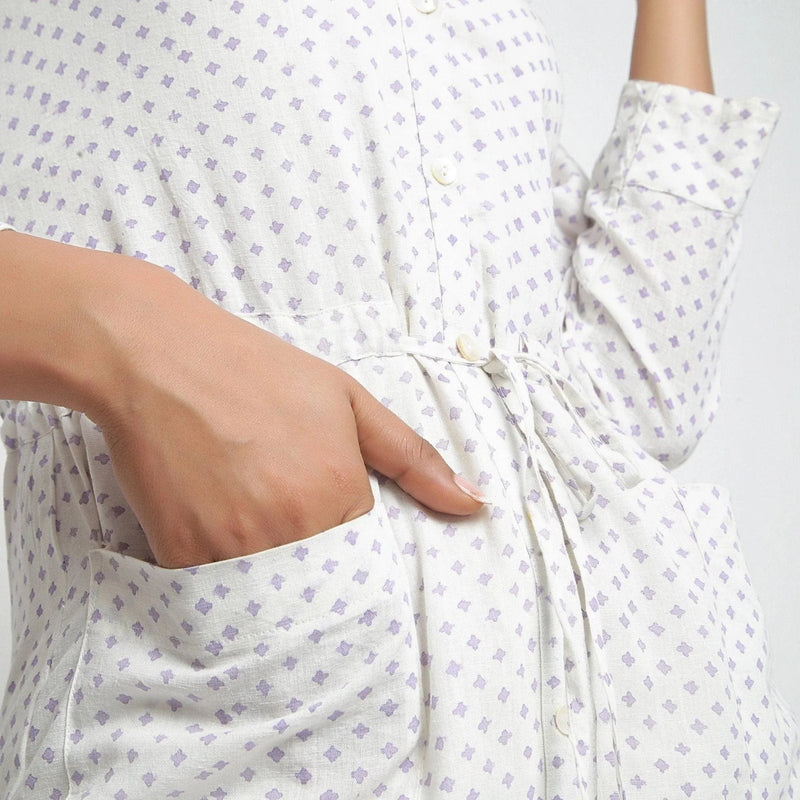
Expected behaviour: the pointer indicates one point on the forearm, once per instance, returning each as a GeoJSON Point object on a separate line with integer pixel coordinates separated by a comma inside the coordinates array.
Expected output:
{"type": "Point", "coordinates": [671, 44]}
{"type": "Point", "coordinates": [65, 316]}
{"type": "Point", "coordinates": [215, 428]}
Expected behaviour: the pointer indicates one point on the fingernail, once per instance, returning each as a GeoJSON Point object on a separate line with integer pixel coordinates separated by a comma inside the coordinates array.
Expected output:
{"type": "Point", "coordinates": [469, 488]}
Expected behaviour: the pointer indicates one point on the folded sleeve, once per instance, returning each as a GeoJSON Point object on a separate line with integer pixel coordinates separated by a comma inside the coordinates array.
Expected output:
{"type": "Point", "coordinates": [655, 234]}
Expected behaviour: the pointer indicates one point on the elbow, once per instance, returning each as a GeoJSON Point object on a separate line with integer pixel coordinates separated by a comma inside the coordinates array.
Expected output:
{"type": "Point", "coordinates": [664, 408]}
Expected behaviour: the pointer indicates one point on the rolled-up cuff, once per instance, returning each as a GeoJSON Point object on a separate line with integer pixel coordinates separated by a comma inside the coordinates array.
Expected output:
{"type": "Point", "coordinates": [697, 146]}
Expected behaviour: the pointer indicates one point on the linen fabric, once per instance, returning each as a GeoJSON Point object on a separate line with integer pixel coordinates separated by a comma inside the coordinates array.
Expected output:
{"type": "Point", "coordinates": [382, 184]}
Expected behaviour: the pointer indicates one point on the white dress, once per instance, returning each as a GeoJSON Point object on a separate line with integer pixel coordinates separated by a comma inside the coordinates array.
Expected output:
{"type": "Point", "coordinates": [382, 184]}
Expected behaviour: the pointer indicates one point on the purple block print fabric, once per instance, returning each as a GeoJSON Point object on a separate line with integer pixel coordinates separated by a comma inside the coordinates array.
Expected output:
{"type": "Point", "coordinates": [382, 184]}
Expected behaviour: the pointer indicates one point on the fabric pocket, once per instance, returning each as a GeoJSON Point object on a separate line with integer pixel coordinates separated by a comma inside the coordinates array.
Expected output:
{"type": "Point", "coordinates": [290, 672]}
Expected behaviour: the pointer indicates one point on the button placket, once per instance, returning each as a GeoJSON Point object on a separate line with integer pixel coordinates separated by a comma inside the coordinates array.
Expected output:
{"type": "Point", "coordinates": [442, 141]}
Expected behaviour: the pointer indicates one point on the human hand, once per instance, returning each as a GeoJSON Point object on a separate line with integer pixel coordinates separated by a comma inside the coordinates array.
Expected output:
{"type": "Point", "coordinates": [226, 440]}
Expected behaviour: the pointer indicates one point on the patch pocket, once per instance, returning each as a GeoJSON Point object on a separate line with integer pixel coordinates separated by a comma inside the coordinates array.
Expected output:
{"type": "Point", "coordinates": [286, 672]}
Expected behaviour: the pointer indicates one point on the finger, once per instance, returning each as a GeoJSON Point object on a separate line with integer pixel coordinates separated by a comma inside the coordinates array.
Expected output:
{"type": "Point", "coordinates": [389, 446]}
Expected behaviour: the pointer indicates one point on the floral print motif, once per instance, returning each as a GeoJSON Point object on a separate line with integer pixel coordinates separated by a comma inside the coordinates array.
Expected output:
{"type": "Point", "coordinates": [382, 184]}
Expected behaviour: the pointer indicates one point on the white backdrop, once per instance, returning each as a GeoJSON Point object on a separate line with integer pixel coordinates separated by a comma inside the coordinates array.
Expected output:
{"type": "Point", "coordinates": [754, 444]}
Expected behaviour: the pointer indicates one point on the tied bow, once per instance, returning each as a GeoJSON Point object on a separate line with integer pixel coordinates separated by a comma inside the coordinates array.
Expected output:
{"type": "Point", "coordinates": [548, 409]}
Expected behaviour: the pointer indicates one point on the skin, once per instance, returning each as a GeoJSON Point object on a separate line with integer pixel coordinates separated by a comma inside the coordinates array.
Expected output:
{"type": "Point", "coordinates": [670, 44]}
{"type": "Point", "coordinates": [146, 357]}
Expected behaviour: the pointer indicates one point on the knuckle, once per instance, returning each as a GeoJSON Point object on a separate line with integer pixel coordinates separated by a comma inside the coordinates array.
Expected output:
{"type": "Point", "coordinates": [343, 477]}
{"type": "Point", "coordinates": [419, 452]}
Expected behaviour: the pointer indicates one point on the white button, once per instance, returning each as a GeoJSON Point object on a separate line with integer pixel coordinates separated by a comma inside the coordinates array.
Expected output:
{"type": "Point", "coordinates": [562, 720]}
{"type": "Point", "coordinates": [443, 170]}
{"type": "Point", "coordinates": [468, 347]}
{"type": "Point", "coordinates": [425, 6]}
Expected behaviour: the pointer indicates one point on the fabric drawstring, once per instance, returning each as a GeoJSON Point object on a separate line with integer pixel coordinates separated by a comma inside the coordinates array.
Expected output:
{"type": "Point", "coordinates": [594, 446]}
{"type": "Point", "coordinates": [573, 451]}
{"type": "Point", "coordinates": [545, 406]}
{"type": "Point", "coordinates": [528, 399]}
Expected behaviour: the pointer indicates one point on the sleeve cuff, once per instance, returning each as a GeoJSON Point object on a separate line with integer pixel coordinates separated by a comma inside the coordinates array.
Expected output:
{"type": "Point", "coordinates": [696, 146]}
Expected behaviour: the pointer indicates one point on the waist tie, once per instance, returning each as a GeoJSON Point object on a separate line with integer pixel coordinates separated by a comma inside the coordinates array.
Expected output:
{"type": "Point", "coordinates": [574, 453]}
{"type": "Point", "coordinates": [549, 411]}
{"type": "Point", "coordinates": [578, 441]}
{"type": "Point", "coordinates": [556, 407]}
{"type": "Point", "coordinates": [567, 435]}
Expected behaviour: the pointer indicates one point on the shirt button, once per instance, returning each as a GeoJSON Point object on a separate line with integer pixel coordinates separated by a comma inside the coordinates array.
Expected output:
{"type": "Point", "coordinates": [562, 720]}
{"type": "Point", "coordinates": [443, 171]}
{"type": "Point", "coordinates": [425, 6]}
{"type": "Point", "coordinates": [468, 347]}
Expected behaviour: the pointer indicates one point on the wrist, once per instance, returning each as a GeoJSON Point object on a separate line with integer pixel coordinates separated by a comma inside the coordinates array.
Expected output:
{"type": "Point", "coordinates": [43, 355]}
{"type": "Point", "coordinates": [68, 322]}
{"type": "Point", "coordinates": [136, 316]}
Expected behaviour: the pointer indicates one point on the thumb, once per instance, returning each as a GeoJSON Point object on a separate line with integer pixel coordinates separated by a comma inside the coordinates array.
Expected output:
{"type": "Point", "coordinates": [389, 446]}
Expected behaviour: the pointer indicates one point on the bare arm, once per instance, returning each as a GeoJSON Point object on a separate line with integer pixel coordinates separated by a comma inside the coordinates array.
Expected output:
{"type": "Point", "coordinates": [50, 341]}
{"type": "Point", "coordinates": [671, 44]}
{"type": "Point", "coordinates": [157, 366]}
